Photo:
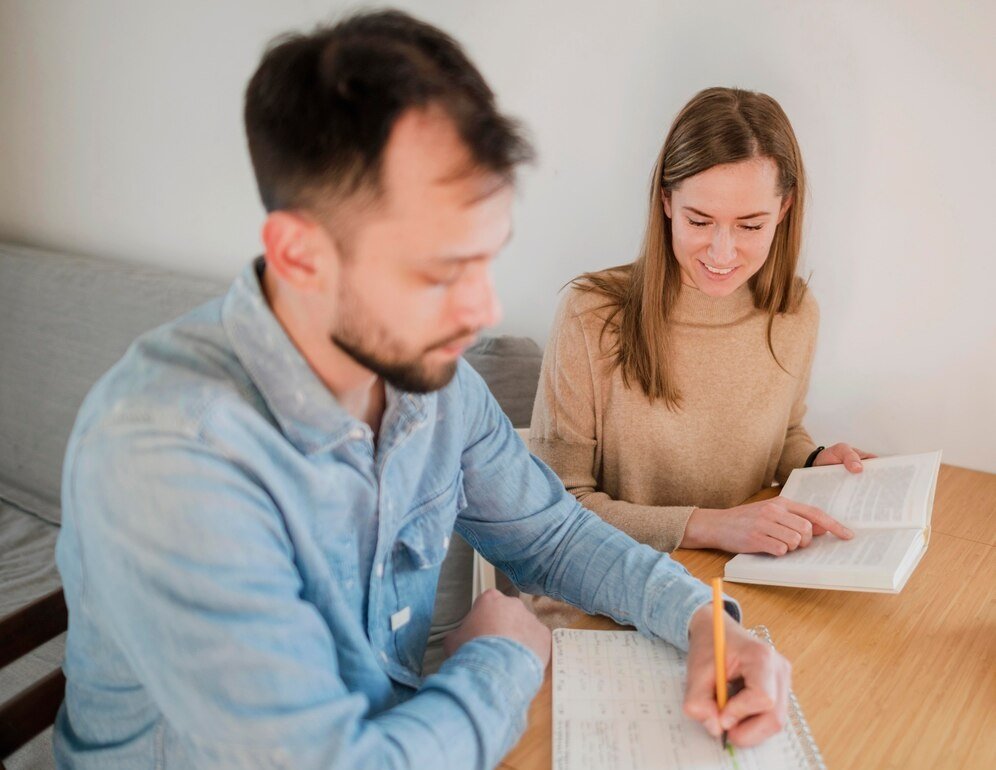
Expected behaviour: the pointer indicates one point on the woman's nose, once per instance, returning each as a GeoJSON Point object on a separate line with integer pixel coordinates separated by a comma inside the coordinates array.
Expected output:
{"type": "Point", "coordinates": [722, 250]}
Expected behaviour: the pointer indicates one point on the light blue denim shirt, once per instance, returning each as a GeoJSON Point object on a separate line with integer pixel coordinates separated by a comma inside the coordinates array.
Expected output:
{"type": "Point", "coordinates": [250, 578]}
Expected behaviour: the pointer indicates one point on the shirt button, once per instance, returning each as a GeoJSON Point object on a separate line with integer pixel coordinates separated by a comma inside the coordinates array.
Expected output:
{"type": "Point", "coordinates": [379, 570]}
{"type": "Point", "coordinates": [356, 433]}
{"type": "Point", "coordinates": [383, 656]}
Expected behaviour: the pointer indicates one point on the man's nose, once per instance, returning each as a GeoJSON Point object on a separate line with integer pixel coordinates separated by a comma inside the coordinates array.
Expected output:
{"type": "Point", "coordinates": [479, 305]}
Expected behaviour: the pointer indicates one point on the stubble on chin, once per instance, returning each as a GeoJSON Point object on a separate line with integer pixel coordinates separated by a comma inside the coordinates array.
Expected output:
{"type": "Point", "coordinates": [412, 376]}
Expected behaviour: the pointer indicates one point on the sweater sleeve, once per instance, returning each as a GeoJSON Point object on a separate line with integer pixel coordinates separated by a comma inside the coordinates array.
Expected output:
{"type": "Point", "coordinates": [798, 444]}
{"type": "Point", "coordinates": [566, 429]}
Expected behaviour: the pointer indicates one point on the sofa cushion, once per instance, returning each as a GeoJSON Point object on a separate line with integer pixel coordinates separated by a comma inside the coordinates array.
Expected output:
{"type": "Point", "coordinates": [64, 320]}
{"type": "Point", "coordinates": [510, 366]}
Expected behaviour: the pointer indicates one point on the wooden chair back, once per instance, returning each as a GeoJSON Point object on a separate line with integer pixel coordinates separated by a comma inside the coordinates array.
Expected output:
{"type": "Point", "coordinates": [33, 709]}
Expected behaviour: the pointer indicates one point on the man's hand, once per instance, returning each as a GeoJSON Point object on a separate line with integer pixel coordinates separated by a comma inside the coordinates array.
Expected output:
{"type": "Point", "coordinates": [495, 614]}
{"type": "Point", "coordinates": [774, 526]}
{"type": "Point", "coordinates": [843, 454]}
{"type": "Point", "coordinates": [760, 709]}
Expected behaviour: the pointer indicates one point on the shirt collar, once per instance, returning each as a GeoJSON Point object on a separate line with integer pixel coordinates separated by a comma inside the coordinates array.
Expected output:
{"type": "Point", "coordinates": [306, 411]}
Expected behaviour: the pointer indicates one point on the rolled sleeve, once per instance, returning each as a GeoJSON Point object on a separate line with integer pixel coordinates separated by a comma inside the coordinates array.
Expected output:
{"type": "Point", "coordinates": [672, 602]}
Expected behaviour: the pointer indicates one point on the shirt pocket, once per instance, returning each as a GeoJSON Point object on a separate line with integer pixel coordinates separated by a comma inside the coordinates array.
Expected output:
{"type": "Point", "coordinates": [425, 533]}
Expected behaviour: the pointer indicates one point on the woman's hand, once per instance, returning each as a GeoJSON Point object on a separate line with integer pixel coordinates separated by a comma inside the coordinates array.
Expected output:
{"type": "Point", "coordinates": [843, 454]}
{"type": "Point", "coordinates": [774, 526]}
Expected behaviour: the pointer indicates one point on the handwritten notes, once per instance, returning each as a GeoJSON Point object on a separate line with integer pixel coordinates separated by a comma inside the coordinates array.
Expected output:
{"type": "Point", "coordinates": [617, 700]}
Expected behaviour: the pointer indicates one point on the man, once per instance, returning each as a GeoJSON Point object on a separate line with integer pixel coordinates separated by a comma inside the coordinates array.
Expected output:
{"type": "Point", "coordinates": [257, 498]}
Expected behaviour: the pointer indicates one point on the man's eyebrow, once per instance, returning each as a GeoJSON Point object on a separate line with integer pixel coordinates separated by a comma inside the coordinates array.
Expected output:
{"type": "Point", "coordinates": [755, 215]}
{"type": "Point", "coordinates": [449, 258]}
{"type": "Point", "coordinates": [497, 187]}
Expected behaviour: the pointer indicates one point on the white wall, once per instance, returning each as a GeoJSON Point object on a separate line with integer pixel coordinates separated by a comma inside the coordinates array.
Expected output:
{"type": "Point", "coordinates": [120, 135]}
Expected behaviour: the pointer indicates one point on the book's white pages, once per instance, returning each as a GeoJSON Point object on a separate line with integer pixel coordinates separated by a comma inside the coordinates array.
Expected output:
{"type": "Point", "coordinates": [617, 705]}
{"type": "Point", "coordinates": [890, 492]}
{"type": "Point", "coordinates": [876, 560]}
{"type": "Point", "coordinates": [887, 505]}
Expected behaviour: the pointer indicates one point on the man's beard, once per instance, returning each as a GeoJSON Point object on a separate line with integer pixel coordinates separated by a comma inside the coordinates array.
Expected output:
{"type": "Point", "coordinates": [412, 376]}
{"type": "Point", "coordinates": [372, 347]}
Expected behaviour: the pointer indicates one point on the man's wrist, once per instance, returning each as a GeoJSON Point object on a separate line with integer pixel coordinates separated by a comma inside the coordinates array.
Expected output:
{"type": "Point", "coordinates": [700, 622]}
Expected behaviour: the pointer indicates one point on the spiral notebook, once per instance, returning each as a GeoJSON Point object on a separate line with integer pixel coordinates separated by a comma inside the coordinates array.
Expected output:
{"type": "Point", "coordinates": [617, 700]}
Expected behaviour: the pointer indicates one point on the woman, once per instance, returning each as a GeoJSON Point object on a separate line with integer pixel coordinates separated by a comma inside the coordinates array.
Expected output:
{"type": "Point", "coordinates": [673, 388]}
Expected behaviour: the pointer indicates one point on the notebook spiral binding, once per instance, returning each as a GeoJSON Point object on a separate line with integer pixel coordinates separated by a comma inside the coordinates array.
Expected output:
{"type": "Point", "coordinates": [805, 745]}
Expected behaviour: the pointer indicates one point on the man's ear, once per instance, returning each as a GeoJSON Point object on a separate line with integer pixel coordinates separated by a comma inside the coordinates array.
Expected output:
{"type": "Point", "coordinates": [666, 200]}
{"type": "Point", "coordinates": [295, 246]}
{"type": "Point", "coordinates": [786, 205]}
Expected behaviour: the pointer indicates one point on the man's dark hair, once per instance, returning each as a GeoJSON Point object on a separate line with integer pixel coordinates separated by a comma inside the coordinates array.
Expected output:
{"type": "Point", "coordinates": [321, 106]}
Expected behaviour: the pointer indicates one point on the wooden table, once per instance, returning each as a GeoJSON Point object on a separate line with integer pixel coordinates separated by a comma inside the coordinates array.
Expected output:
{"type": "Point", "coordinates": [885, 681]}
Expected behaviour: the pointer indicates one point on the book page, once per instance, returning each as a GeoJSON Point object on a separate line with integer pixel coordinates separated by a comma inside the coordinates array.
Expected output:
{"type": "Point", "coordinates": [617, 704]}
{"type": "Point", "coordinates": [870, 549]}
{"type": "Point", "coordinates": [871, 560]}
{"type": "Point", "coordinates": [890, 491]}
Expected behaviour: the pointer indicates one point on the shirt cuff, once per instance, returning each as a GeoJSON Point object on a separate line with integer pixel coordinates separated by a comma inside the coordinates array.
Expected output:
{"type": "Point", "coordinates": [502, 674]}
{"type": "Point", "coordinates": [511, 659]}
{"type": "Point", "coordinates": [671, 610]}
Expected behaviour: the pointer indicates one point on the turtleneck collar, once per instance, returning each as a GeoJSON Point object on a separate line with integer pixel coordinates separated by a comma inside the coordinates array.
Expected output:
{"type": "Point", "coordinates": [695, 308]}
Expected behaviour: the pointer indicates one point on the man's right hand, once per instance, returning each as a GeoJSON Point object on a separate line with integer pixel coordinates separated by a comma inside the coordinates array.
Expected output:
{"type": "Point", "coordinates": [760, 709]}
{"type": "Point", "coordinates": [774, 526]}
{"type": "Point", "coordinates": [495, 614]}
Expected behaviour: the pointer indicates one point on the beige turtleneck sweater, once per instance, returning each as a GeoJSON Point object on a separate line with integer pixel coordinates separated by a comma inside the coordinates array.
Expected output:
{"type": "Point", "coordinates": [642, 467]}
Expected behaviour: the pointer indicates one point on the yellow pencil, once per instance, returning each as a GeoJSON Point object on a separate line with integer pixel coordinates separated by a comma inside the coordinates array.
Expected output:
{"type": "Point", "coordinates": [719, 643]}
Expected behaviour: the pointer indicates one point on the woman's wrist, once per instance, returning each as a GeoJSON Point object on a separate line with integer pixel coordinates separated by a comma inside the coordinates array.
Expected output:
{"type": "Point", "coordinates": [699, 529]}
{"type": "Point", "coordinates": [812, 457]}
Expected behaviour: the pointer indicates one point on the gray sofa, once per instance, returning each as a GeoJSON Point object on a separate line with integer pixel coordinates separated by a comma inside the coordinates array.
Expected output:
{"type": "Point", "coordinates": [63, 321]}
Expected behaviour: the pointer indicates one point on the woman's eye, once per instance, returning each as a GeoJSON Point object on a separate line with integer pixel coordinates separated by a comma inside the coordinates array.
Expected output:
{"type": "Point", "coordinates": [696, 223]}
{"type": "Point", "coordinates": [753, 228]}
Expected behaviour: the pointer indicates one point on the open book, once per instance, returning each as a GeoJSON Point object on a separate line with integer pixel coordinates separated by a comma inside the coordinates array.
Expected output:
{"type": "Point", "coordinates": [617, 705]}
{"type": "Point", "coordinates": [888, 507]}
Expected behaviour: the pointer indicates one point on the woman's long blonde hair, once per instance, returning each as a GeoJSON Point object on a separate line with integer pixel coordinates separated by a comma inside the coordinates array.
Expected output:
{"type": "Point", "coordinates": [719, 125]}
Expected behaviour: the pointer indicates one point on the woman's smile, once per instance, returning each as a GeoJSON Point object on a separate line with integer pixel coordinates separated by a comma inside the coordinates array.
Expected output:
{"type": "Point", "coordinates": [717, 273]}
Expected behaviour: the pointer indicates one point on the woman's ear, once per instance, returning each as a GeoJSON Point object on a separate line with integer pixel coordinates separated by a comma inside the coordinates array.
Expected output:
{"type": "Point", "coordinates": [786, 205]}
{"type": "Point", "coordinates": [666, 200]}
